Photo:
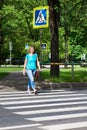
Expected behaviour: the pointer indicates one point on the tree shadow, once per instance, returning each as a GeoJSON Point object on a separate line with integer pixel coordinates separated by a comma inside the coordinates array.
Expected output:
{"type": "Point", "coordinates": [14, 80]}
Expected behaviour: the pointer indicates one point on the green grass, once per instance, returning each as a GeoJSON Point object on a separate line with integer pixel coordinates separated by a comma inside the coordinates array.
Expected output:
{"type": "Point", "coordinates": [80, 75]}
{"type": "Point", "coordinates": [5, 71]}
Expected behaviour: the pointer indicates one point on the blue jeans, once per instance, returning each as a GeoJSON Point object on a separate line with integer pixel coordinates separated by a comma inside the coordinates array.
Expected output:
{"type": "Point", "coordinates": [31, 82]}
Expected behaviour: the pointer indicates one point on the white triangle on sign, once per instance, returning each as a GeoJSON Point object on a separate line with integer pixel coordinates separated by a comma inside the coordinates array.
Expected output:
{"type": "Point", "coordinates": [40, 18]}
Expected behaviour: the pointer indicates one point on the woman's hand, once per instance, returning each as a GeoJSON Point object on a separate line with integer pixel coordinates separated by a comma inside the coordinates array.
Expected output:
{"type": "Point", "coordinates": [24, 71]}
{"type": "Point", "coordinates": [39, 70]}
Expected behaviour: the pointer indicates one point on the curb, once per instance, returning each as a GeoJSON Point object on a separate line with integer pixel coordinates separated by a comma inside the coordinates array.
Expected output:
{"type": "Point", "coordinates": [41, 86]}
{"type": "Point", "coordinates": [69, 85]}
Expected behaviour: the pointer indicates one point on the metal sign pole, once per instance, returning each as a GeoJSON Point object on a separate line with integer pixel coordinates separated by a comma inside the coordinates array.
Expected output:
{"type": "Point", "coordinates": [72, 71]}
{"type": "Point", "coordinates": [40, 52]}
{"type": "Point", "coordinates": [10, 58]}
{"type": "Point", "coordinates": [40, 46]}
{"type": "Point", "coordinates": [10, 48]}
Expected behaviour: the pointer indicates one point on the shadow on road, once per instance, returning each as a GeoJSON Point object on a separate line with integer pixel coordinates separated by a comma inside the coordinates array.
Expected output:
{"type": "Point", "coordinates": [14, 80]}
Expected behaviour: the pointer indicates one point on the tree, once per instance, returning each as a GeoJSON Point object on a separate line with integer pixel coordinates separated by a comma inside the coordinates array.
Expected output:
{"type": "Point", "coordinates": [17, 24]}
{"type": "Point", "coordinates": [54, 25]}
{"type": "Point", "coordinates": [1, 32]}
{"type": "Point", "coordinates": [74, 22]}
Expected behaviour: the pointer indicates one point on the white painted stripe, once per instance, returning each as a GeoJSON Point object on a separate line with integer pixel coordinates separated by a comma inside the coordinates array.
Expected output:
{"type": "Point", "coordinates": [20, 92]}
{"type": "Point", "coordinates": [57, 117]}
{"type": "Point", "coordinates": [46, 105]}
{"type": "Point", "coordinates": [42, 93]}
{"type": "Point", "coordinates": [65, 126]}
{"type": "Point", "coordinates": [51, 110]}
{"type": "Point", "coordinates": [14, 95]}
{"type": "Point", "coordinates": [46, 96]}
{"type": "Point", "coordinates": [19, 126]}
{"type": "Point", "coordinates": [3, 94]}
{"type": "Point", "coordinates": [41, 100]}
{"type": "Point", "coordinates": [12, 92]}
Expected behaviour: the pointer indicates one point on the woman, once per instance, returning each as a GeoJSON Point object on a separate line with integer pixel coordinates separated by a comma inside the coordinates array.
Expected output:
{"type": "Point", "coordinates": [30, 66]}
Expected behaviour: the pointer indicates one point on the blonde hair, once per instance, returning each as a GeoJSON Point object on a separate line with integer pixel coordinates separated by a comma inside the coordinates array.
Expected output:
{"type": "Point", "coordinates": [33, 49]}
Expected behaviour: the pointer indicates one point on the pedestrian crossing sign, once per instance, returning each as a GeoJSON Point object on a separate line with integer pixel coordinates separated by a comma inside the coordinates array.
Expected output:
{"type": "Point", "coordinates": [40, 17]}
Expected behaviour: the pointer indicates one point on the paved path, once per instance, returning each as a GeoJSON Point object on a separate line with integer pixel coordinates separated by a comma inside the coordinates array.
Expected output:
{"type": "Point", "coordinates": [51, 109]}
{"type": "Point", "coordinates": [13, 82]}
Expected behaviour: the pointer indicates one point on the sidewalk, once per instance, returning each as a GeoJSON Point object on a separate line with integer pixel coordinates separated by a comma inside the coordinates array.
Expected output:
{"type": "Point", "coordinates": [17, 82]}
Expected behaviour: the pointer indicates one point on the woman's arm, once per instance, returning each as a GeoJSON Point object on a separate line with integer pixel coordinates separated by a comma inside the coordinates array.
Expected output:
{"type": "Point", "coordinates": [38, 64]}
{"type": "Point", "coordinates": [24, 69]}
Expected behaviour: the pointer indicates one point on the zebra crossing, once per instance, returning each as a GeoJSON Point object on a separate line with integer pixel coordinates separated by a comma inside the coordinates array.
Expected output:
{"type": "Point", "coordinates": [50, 109]}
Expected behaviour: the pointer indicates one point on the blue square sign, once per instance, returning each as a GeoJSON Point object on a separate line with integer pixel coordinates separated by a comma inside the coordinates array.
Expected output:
{"type": "Point", "coordinates": [40, 19]}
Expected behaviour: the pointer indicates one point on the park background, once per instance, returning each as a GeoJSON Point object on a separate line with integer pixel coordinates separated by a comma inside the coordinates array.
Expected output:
{"type": "Point", "coordinates": [16, 31]}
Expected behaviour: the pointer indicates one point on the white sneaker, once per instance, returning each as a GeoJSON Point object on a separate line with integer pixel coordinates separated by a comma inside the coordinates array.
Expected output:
{"type": "Point", "coordinates": [29, 91]}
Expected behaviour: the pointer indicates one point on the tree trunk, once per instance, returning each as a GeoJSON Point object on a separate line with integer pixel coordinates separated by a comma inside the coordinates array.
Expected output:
{"type": "Point", "coordinates": [66, 46]}
{"type": "Point", "coordinates": [1, 33]}
{"type": "Point", "coordinates": [54, 17]}
{"type": "Point", "coordinates": [66, 36]}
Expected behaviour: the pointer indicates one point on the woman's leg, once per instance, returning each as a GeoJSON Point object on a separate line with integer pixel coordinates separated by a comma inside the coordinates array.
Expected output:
{"type": "Point", "coordinates": [30, 74]}
{"type": "Point", "coordinates": [35, 91]}
{"type": "Point", "coordinates": [29, 85]}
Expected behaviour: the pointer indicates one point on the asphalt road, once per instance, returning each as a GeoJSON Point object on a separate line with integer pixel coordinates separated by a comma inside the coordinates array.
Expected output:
{"type": "Point", "coordinates": [50, 109]}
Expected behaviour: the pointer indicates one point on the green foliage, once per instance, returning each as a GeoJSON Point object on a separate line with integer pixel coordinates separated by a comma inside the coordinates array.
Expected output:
{"type": "Point", "coordinates": [73, 25]}
{"type": "Point", "coordinates": [76, 52]}
{"type": "Point", "coordinates": [17, 27]}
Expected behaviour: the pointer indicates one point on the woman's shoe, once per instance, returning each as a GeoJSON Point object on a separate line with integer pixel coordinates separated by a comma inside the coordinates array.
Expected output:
{"type": "Point", "coordinates": [29, 91]}
{"type": "Point", "coordinates": [35, 92]}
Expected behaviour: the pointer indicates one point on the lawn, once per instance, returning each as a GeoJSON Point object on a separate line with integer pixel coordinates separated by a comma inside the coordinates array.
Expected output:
{"type": "Point", "coordinates": [80, 74]}
{"type": "Point", "coordinates": [5, 71]}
